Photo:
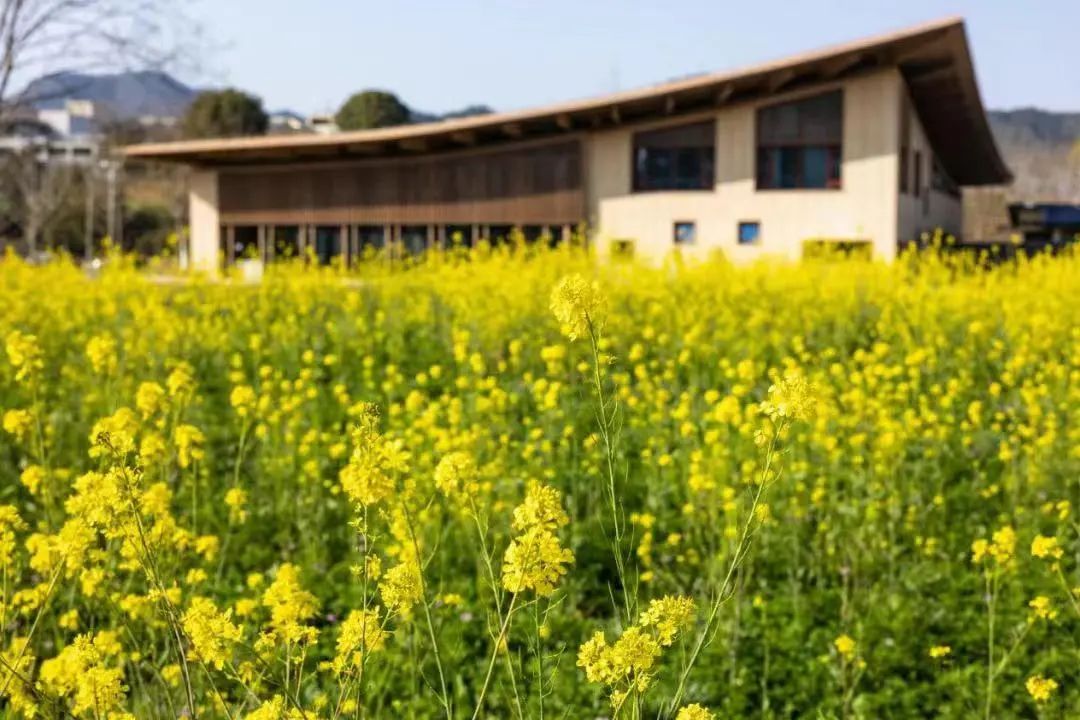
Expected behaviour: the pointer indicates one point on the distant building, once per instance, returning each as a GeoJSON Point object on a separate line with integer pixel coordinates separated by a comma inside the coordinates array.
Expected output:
{"type": "Point", "coordinates": [23, 132]}
{"type": "Point", "coordinates": [323, 124]}
{"type": "Point", "coordinates": [863, 145]}
{"type": "Point", "coordinates": [286, 121]}
{"type": "Point", "coordinates": [1044, 225]}
{"type": "Point", "coordinates": [72, 118]}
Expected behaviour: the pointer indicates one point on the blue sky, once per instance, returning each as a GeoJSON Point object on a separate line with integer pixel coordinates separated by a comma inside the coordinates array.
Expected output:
{"type": "Point", "coordinates": [438, 55]}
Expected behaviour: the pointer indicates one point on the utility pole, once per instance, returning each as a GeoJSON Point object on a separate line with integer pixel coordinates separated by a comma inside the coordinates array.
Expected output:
{"type": "Point", "coordinates": [110, 201]}
{"type": "Point", "coordinates": [88, 225]}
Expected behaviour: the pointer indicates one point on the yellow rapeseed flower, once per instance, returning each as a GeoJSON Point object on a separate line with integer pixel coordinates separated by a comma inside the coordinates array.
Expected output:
{"type": "Point", "coordinates": [211, 631]}
{"type": "Point", "coordinates": [1046, 548]}
{"type": "Point", "coordinates": [694, 712]}
{"type": "Point", "coordinates": [577, 304]}
{"type": "Point", "coordinates": [846, 646]}
{"type": "Point", "coordinates": [668, 616]}
{"type": "Point", "coordinates": [535, 560]}
{"type": "Point", "coordinates": [1040, 688]}
{"type": "Point", "coordinates": [361, 633]}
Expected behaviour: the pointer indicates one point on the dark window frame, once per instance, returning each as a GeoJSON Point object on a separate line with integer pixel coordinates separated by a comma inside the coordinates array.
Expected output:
{"type": "Point", "coordinates": [917, 183]}
{"type": "Point", "coordinates": [704, 155]}
{"type": "Point", "coordinates": [676, 225]}
{"type": "Point", "coordinates": [798, 150]}
{"type": "Point", "coordinates": [756, 224]}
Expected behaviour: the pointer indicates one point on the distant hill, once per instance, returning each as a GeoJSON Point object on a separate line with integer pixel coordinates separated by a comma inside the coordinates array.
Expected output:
{"type": "Point", "coordinates": [418, 116]}
{"type": "Point", "coordinates": [1032, 126]}
{"type": "Point", "coordinates": [125, 95]}
{"type": "Point", "coordinates": [131, 95]}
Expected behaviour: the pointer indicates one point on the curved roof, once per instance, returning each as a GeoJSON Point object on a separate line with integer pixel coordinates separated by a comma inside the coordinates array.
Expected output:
{"type": "Point", "coordinates": [934, 58]}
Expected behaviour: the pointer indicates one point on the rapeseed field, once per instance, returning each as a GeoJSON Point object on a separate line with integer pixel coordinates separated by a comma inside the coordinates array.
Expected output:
{"type": "Point", "coordinates": [526, 484]}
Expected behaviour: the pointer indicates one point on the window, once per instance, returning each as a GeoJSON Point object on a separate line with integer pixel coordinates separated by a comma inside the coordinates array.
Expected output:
{"type": "Point", "coordinates": [838, 249]}
{"type": "Point", "coordinates": [685, 233]}
{"type": "Point", "coordinates": [749, 232]}
{"type": "Point", "coordinates": [501, 234]}
{"type": "Point", "coordinates": [459, 235]}
{"type": "Point", "coordinates": [327, 243]}
{"type": "Point", "coordinates": [370, 239]}
{"type": "Point", "coordinates": [799, 144]}
{"type": "Point", "coordinates": [622, 248]}
{"type": "Point", "coordinates": [905, 142]}
{"type": "Point", "coordinates": [285, 240]}
{"type": "Point", "coordinates": [917, 187]}
{"type": "Point", "coordinates": [678, 158]}
{"type": "Point", "coordinates": [246, 242]}
{"type": "Point", "coordinates": [414, 238]}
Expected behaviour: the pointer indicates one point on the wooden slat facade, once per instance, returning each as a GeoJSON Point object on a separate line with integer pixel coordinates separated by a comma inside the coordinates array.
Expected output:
{"type": "Point", "coordinates": [532, 184]}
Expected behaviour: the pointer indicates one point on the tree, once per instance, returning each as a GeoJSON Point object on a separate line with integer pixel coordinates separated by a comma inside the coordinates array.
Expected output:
{"type": "Point", "coordinates": [225, 113]}
{"type": "Point", "coordinates": [41, 190]}
{"type": "Point", "coordinates": [372, 109]}
{"type": "Point", "coordinates": [40, 37]}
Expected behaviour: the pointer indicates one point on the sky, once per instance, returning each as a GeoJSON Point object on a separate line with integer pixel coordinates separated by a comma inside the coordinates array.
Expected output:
{"type": "Point", "coordinates": [439, 55]}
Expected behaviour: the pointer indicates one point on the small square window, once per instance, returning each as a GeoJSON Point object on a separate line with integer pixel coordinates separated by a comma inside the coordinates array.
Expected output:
{"type": "Point", "coordinates": [749, 232]}
{"type": "Point", "coordinates": [685, 233]}
{"type": "Point", "coordinates": [622, 248]}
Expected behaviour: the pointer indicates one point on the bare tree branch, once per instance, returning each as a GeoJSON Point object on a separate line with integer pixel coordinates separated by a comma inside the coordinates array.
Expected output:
{"type": "Point", "coordinates": [45, 37]}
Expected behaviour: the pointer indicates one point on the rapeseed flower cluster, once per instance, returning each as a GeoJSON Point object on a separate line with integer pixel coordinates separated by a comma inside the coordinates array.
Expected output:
{"type": "Point", "coordinates": [627, 667]}
{"type": "Point", "coordinates": [535, 559]}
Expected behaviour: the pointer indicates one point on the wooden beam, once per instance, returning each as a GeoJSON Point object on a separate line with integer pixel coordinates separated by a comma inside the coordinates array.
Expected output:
{"type": "Point", "coordinates": [513, 130]}
{"type": "Point", "coordinates": [365, 149]}
{"type": "Point", "coordinates": [413, 144]}
{"type": "Point", "coordinates": [724, 94]}
{"type": "Point", "coordinates": [669, 104]}
{"type": "Point", "coordinates": [848, 64]}
{"type": "Point", "coordinates": [928, 70]}
{"type": "Point", "coordinates": [781, 79]}
{"type": "Point", "coordinates": [616, 117]}
{"type": "Point", "coordinates": [564, 122]}
{"type": "Point", "coordinates": [464, 137]}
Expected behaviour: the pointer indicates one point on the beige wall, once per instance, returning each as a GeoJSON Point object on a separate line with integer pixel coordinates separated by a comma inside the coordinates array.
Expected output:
{"type": "Point", "coordinates": [864, 209]}
{"type": "Point", "coordinates": [204, 223]}
{"type": "Point", "coordinates": [930, 209]}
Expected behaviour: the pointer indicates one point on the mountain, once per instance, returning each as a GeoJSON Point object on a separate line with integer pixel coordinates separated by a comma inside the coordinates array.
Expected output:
{"type": "Point", "coordinates": [1032, 126]}
{"type": "Point", "coordinates": [419, 116]}
{"type": "Point", "coordinates": [125, 95]}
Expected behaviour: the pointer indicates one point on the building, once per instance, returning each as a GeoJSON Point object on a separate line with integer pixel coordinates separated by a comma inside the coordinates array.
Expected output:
{"type": "Point", "coordinates": [1037, 226]}
{"type": "Point", "coordinates": [23, 133]}
{"type": "Point", "coordinates": [865, 143]}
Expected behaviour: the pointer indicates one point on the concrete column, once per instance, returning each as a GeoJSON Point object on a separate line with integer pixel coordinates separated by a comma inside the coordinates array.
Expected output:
{"type": "Point", "coordinates": [271, 242]}
{"type": "Point", "coordinates": [261, 231]}
{"type": "Point", "coordinates": [204, 237]}
{"type": "Point", "coordinates": [230, 245]}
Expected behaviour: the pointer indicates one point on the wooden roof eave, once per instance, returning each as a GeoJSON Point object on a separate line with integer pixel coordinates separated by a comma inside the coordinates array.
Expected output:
{"type": "Point", "coordinates": [971, 159]}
